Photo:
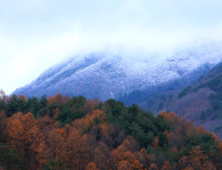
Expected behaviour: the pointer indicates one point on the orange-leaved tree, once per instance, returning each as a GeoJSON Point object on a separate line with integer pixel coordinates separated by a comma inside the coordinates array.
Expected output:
{"type": "Point", "coordinates": [22, 96]}
{"type": "Point", "coordinates": [164, 114]}
{"type": "Point", "coordinates": [220, 147]}
{"type": "Point", "coordinates": [153, 167]}
{"type": "Point", "coordinates": [155, 143]}
{"type": "Point", "coordinates": [28, 122]}
{"type": "Point", "coordinates": [166, 166]}
{"type": "Point", "coordinates": [15, 131]}
{"type": "Point", "coordinates": [91, 166]}
{"type": "Point", "coordinates": [201, 130]}
{"type": "Point", "coordinates": [124, 165]}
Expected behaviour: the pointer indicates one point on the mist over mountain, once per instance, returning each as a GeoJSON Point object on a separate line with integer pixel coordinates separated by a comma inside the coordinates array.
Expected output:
{"type": "Point", "coordinates": [106, 75]}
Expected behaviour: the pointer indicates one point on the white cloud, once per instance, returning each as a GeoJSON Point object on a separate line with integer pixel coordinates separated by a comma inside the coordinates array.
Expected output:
{"type": "Point", "coordinates": [34, 35]}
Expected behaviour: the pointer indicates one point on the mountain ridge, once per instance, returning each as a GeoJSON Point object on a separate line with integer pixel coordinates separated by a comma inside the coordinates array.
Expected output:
{"type": "Point", "coordinates": [112, 76]}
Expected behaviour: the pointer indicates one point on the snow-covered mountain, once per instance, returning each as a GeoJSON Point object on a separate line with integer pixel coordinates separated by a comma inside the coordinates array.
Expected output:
{"type": "Point", "coordinates": [112, 76]}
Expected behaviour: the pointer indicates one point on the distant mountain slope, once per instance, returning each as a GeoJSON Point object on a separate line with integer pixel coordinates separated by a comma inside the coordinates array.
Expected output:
{"type": "Point", "coordinates": [201, 102]}
{"type": "Point", "coordinates": [110, 76]}
{"type": "Point", "coordinates": [174, 84]}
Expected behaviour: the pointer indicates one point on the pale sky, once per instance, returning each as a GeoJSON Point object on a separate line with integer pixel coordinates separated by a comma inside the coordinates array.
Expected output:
{"type": "Point", "coordinates": [36, 34]}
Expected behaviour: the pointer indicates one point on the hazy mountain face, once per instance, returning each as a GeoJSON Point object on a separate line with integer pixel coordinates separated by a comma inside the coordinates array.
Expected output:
{"type": "Point", "coordinates": [112, 76]}
{"type": "Point", "coordinates": [200, 102]}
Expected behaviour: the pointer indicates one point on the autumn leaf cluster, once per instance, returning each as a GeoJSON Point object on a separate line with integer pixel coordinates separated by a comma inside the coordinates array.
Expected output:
{"type": "Point", "coordinates": [76, 133]}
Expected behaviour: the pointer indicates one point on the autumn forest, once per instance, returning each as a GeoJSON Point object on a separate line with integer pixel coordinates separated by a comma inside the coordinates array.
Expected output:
{"type": "Point", "coordinates": [63, 133]}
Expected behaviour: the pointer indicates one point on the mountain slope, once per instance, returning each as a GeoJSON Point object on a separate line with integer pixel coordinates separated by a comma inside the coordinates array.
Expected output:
{"type": "Point", "coordinates": [201, 102]}
{"type": "Point", "coordinates": [111, 76]}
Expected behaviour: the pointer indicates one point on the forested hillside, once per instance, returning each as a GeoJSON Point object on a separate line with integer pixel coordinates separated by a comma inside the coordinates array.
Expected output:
{"type": "Point", "coordinates": [76, 133]}
{"type": "Point", "coordinates": [199, 102]}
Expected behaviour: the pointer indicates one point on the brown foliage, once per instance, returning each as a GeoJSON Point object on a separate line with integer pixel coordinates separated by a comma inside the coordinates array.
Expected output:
{"type": "Point", "coordinates": [197, 154]}
{"type": "Point", "coordinates": [124, 165]}
{"type": "Point", "coordinates": [71, 148]}
{"type": "Point", "coordinates": [173, 117]}
{"type": "Point", "coordinates": [15, 132]}
{"type": "Point", "coordinates": [220, 147]}
{"type": "Point", "coordinates": [183, 162]}
{"type": "Point", "coordinates": [216, 139]}
{"type": "Point", "coordinates": [55, 113]}
{"type": "Point", "coordinates": [201, 130]}
{"type": "Point", "coordinates": [137, 165]}
{"type": "Point", "coordinates": [196, 164]}
{"type": "Point", "coordinates": [209, 166]}
{"type": "Point", "coordinates": [22, 96]}
{"type": "Point", "coordinates": [92, 143]}
{"type": "Point", "coordinates": [164, 114]}
{"type": "Point", "coordinates": [128, 156]}
{"type": "Point", "coordinates": [151, 158]}
{"type": "Point", "coordinates": [90, 105]}
{"type": "Point", "coordinates": [103, 158]}
{"type": "Point", "coordinates": [189, 168]}
{"type": "Point", "coordinates": [143, 157]}
{"type": "Point", "coordinates": [58, 98]}
{"type": "Point", "coordinates": [166, 166]}
{"type": "Point", "coordinates": [88, 120]}
{"type": "Point", "coordinates": [153, 167]}
{"type": "Point", "coordinates": [120, 150]}
{"type": "Point", "coordinates": [155, 143]}
{"type": "Point", "coordinates": [91, 166]}
{"type": "Point", "coordinates": [65, 99]}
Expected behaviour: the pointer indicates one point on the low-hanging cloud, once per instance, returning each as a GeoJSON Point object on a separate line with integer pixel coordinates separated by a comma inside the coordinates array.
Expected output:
{"type": "Point", "coordinates": [35, 35]}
